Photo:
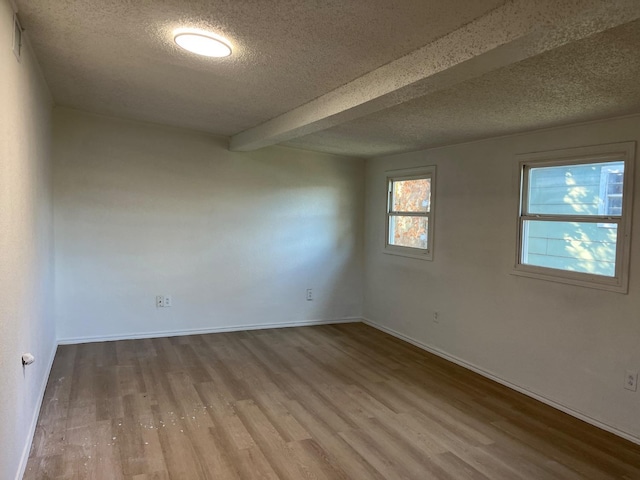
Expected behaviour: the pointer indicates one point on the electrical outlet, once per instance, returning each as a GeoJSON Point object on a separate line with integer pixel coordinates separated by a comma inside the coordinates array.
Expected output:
{"type": "Point", "coordinates": [309, 294]}
{"type": "Point", "coordinates": [631, 380]}
{"type": "Point", "coordinates": [436, 317]}
{"type": "Point", "coordinates": [168, 301]}
{"type": "Point", "coordinates": [160, 301]}
{"type": "Point", "coordinates": [17, 37]}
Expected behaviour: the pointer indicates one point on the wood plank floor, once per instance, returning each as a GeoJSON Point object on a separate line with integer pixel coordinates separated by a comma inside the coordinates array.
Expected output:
{"type": "Point", "coordinates": [324, 403]}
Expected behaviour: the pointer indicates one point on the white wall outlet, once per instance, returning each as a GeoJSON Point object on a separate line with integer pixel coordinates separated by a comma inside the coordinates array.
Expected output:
{"type": "Point", "coordinates": [309, 294]}
{"type": "Point", "coordinates": [160, 301]}
{"type": "Point", "coordinates": [17, 37]}
{"type": "Point", "coordinates": [168, 301]}
{"type": "Point", "coordinates": [436, 317]}
{"type": "Point", "coordinates": [631, 380]}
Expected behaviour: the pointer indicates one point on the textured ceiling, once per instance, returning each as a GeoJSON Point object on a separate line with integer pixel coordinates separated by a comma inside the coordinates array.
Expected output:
{"type": "Point", "coordinates": [117, 57]}
{"type": "Point", "coordinates": [368, 77]}
{"type": "Point", "coordinates": [594, 78]}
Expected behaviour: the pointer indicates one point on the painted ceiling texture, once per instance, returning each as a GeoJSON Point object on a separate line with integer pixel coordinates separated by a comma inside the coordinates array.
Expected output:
{"type": "Point", "coordinates": [354, 77]}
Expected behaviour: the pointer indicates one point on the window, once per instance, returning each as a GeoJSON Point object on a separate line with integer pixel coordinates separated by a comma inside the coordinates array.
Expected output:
{"type": "Point", "coordinates": [410, 195]}
{"type": "Point", "coordinates": [574, 219]}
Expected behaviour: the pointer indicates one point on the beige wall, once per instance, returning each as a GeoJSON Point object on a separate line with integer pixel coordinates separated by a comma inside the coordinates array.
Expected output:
{"type": "Point", "coordinates": [26, 267]}
{"type": "Point", "coordinates": [235, 238]}
{"type": "Point", "coordinates": [568, 344]}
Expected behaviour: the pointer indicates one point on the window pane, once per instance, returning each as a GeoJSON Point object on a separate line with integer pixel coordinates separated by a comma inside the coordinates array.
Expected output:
{"type": "Point", "coordinates": [409, 231]}
{"type": "Point", "coordinates": [571, 246]}
{"type": "Point", "coordinates": [614, 206]}
{"type": "Point", "coordinates": [574, 189]}
{"type": "Point", "coordinates": [412, 195]}
{"type": "Point", "coordinates": [614, 183]}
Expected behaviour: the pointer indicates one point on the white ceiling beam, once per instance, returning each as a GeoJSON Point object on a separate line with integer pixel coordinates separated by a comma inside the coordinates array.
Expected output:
{"type": "Point", "coordinates": [511, 33]}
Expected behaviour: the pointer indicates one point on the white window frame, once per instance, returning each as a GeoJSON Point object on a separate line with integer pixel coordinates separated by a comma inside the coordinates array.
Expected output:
{"type": "Point", "coordinates": [411, 174]}
{"type": "Point", "coordinates": [579, 156]}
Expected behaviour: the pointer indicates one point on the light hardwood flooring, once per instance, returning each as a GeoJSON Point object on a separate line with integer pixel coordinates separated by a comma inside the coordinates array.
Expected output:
{"type": "Point", "coordinates": [325, 403]}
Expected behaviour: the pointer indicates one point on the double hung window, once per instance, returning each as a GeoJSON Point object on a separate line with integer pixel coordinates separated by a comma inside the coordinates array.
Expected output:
{"type": "Point", "coordinates": [410, 212]}
{"type": "Point", "coordinates": [574, 219]}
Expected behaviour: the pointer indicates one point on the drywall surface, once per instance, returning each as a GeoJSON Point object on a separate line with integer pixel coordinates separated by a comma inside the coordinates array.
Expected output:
{"type": "Point", "coordinates": [235, 238]}
{"type": "Point", "coordinates": [568, 344]}
{"type": "Point", "coordinates": [26, 255]}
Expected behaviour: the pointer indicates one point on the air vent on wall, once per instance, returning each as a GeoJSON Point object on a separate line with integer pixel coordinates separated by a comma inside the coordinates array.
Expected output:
{"type": "Point", "coordinates": [17, 37]}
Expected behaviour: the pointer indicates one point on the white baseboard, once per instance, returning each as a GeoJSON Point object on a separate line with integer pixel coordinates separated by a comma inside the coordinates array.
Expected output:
{"type": "Point", "coordinates": [199, 331]}
{"type": "Point", "coordinates": [492, 376]}
{"type": "Point", "coordinates": [34, 421]}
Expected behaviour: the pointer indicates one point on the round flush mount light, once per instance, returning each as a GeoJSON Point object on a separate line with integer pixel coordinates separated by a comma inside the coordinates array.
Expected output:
{"type": "Point", "coordinates": [207, 44]}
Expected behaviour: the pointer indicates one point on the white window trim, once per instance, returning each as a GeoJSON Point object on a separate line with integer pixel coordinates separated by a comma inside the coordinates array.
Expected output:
{"type": "Point", "coordinates": [409, 174]}
{"type": "Point", "coordinates": [594, 154]}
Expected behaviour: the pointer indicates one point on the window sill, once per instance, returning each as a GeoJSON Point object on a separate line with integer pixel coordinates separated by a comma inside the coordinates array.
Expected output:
{"type": "Point", "coordinates": [408, 252]}
{"type": "Point", "coordinates": [581, 280]}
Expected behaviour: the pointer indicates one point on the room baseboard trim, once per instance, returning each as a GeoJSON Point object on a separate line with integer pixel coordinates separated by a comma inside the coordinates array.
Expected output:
{"type": "Point", "coordinates": [200, 331]}
{"type": "Point", "coordinates": [36, 413]}
{"type": "Point", "coordinates": [492, 376]}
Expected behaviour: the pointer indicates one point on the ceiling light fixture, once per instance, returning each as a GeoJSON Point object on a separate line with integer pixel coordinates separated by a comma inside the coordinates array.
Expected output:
{"type": "Point", "coordinates": [207, 44]}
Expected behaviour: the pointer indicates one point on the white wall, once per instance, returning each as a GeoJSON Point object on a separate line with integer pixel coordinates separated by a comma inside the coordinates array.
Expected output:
{"type": "Point", "coordinates": [26, 267]}
{"type": "Point", "coordinates": [568, 344]}
{"type": "Point", "coordinates": [235, 238]}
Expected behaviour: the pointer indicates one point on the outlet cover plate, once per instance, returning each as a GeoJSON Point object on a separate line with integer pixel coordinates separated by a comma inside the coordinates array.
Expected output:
{"type": "Point", "coordinates": [631, 380]}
